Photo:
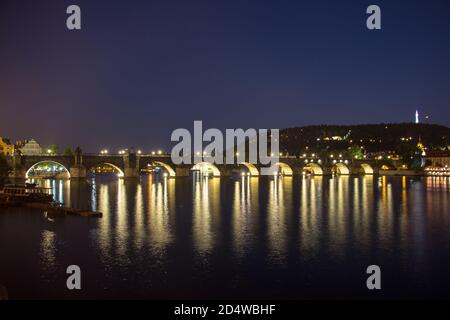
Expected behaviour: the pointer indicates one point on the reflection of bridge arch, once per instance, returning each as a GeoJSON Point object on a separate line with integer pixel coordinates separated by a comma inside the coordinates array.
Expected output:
{"type": "Point", "coordinates": [313, 168]}
{"type": "Point", "coordinates": [366, 168]}
{"type": "Point", "coordinates": [251, 168]}
{"type": "Point", "coordinates": [206, 168]}
{"type": "Point", "coordinates": [283, 169]}
{"type": "Point", "coordinates": [340, 168]}
{"type": "Point", "coordinates": [168, 168]}
{"type": "Point", "coordinates": [120, 173]}
{"type": "Point", "coordinates": [46, 161]}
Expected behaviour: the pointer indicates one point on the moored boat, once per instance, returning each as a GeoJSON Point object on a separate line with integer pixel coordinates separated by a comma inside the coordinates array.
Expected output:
{"type": "Point", "coordinates": [26, 193]}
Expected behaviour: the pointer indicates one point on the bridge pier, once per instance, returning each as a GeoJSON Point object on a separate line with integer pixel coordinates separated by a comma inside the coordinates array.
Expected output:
{"type": "Point", "coordinates": [18, 173]}
{"type": "Point", "coordinates": [130, 173]}
{"type": "Point", "coordinates": [77, 172]}
{"type": "Point", "coordinates": [182, 171]}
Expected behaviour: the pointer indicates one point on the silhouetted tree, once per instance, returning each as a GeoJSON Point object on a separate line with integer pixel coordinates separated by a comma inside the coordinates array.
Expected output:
{"type": "Point", "coordinates": [53, 149]}
{"type": "Point", "coordinates": [68, 151]}
{"type": "Point", "coordinates": [356, 152]}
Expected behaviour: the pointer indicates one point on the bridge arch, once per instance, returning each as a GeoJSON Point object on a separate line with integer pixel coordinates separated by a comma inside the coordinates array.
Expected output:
{"type": "Point", "coordinates": [366, 168]}
{"type": "Point", "coordinates": [283, 169]}
{"type": "Point", "coordinates": [27, 174]}
{"type": "Point", "coordinates": [120, 173]}
{"type": "Point", "coordinates": [313, 168]}
{"type": "Point", "coordinates": [206, 168]}
{"type": "Point", "coordinates": [340, 168]}
{"type": "Point", "coordinates": [167, 167]}
{"type": "Point", "coordinates": [252, 169]}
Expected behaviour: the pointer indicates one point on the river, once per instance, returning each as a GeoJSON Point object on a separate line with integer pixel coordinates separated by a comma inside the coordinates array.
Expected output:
{"type": "Point", "coordinates": [243, 237]}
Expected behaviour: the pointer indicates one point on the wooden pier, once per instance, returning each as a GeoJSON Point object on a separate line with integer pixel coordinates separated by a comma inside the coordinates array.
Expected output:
{"type": "Point", "coordinates": [41, 199]}
{"type": "Point", "coordinates": [62, 210]}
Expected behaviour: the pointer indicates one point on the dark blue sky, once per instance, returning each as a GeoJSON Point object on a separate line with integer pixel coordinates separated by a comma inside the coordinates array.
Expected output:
{"type": "Point", "coordinates": [139, 69]}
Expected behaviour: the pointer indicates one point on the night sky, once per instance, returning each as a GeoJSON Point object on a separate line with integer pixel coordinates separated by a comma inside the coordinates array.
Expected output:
{"type": "Point", "coordinates": [139, 69]}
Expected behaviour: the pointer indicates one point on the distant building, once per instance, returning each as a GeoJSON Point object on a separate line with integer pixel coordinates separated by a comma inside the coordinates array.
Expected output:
{"type": "Point", "coordinates": [29, 147]}
{"type": "Point", "coordinates": [438, 163]}
{"type": "Point", "coordinates": [439, 158]}
{"type": "Point", "coordinates": [6, 147]}
{"type": "Point", "coordinates": [417, 116]}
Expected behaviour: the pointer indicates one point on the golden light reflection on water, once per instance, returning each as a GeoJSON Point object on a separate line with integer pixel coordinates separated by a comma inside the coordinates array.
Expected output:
{"type": "Point", "coordinates": [385, 211]}
{"type": "Point", "coordinates": [404, 211]}
{"type": "Point", "coordinates": [134, 215]}
{"type": "Point", "coordinates": [361, 212]}
{"type": "Point", "coordinates": [338, 213]}
{"type": "Point", "coordinates": [206, 211]}
{"type": "Point", "coordinates": [311, 213]}
{"type": "Point", "coordinates": [103, 205]}
{"type": "Point", "coordinates": [279, 212]}
{"type": "Point", "coordinates": [139, 221]}
{"type": "Point", "coordinates": [60, 188]}
{"type": "Point", "coordinates": [122, 229]}
{"type": "Point", "coordinates": [435, 201]}
{"type": "Point", "coordinates": [245, 213]}
{"type": "Point", "coordinates": [160, 216]}
{"type": "Point", "coordinates": [48, 250]}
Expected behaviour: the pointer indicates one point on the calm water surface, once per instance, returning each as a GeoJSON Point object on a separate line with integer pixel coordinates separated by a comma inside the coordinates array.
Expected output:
{"type": "Point", "coordinates": [234, 238]}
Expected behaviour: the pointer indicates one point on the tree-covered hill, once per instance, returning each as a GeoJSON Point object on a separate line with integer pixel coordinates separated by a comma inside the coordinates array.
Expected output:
{"type": "Point", "coordinates": [372, 137]}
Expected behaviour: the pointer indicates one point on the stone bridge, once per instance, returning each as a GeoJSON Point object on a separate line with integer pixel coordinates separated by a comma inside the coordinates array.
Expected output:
{"type": "Point", "coordinates": [130, 165]}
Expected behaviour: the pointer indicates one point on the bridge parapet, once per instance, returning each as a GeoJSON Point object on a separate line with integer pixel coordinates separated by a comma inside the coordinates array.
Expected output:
{"type": "Point", "coordinates": [130, 164]}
